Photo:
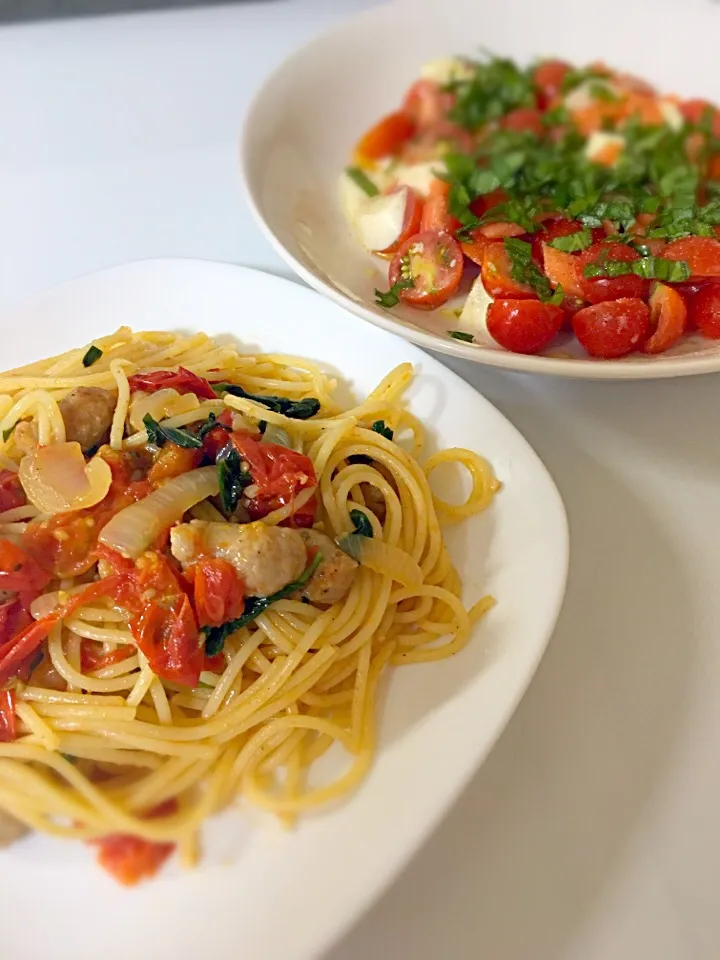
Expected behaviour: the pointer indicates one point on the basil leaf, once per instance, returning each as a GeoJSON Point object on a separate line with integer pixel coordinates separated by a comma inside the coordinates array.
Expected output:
{"type": "Point", "coordinates": [293, 409]}
{"type": "Point", "coordinates": [380, 427]}
{"type": "Point", "coordinates": [94, 353]}
{"type": "Point", "coordinates": [210, 424]}
{"type": "Point", "coordinates": [650, 268]}
{"type": "Point", "coordinates": [363, 527]}
{"type": "Point", "coordinates": [160, 435]}
{"type": "Point", "coordinates": [390, 298]}
{"type": "Point", "coordinates": [580, 240]}
{"type": "Point", "coordinates": [362, 180]}
{"type": "Point", "coordinates": [461, 335]}
{"type": "Point", "coordinates": [360, 458]}
{"type": "Point", "coordinates": [523, 269]}
{"type": "Point", "coordinates": [215, 637]}
{"type": "Point", "coordinates": [232, 480]}
{"type": "Point", "coordinates": [9, 432]}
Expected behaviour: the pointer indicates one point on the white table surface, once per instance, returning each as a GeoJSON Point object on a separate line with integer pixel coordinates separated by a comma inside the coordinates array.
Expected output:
{"type": "Point", "coordinates": [591, 833]}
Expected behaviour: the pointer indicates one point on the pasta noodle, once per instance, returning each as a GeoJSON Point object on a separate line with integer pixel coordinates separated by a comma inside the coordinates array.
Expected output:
{"type": "Point", "coordinates": [98, 740]}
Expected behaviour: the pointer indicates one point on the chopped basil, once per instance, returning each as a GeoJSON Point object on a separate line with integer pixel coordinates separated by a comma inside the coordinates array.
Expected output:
{"type": "Point", "coordinates": [363, 527]}
{"type": "Point", "coordinates": [650, 268]}
{"type": "Point", "coordinates": [362, 180]}
{"type": "Point", "coordinates": [579, 240]}
{"type": "Point", "coordinates": [94, 353]}
{"type": "Point", "coordinates": [360, 458]}
{"type": "Point", "coordinates": [461, 335]}
{"type": "Point", "coordinates": [380, 427]}
{"type": "Point", "coordinates": [496, 87]}
{"type": "Point", "coordinates": [232, 480]}
{"type": "Point", "coordinates": [210, 424]}
{"type": "Point", "coordinates": [215, 637]}
{"type": "Point", "coordinates": [293, 409]}
{"type": "Point", "coordinates": [160, 435]}
{"type": "Point", "coordinates": [523, 269]}
{"type": "Point", "coordinates": [9, 432]}
{"type": "Point", "coordinates": [390, 298]}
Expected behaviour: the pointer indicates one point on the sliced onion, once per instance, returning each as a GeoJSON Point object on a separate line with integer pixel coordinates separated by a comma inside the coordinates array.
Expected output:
{"type": "Point", "coordinates": [382, 558]}
{"type": "Point", "coordinates": [275, 434]}
{"type": "Point", "coordinates": [160, 405]}
{"type": "Point", "coordinates": [56, 478]}
{"type": "Point", "coordinates": [131, 531]}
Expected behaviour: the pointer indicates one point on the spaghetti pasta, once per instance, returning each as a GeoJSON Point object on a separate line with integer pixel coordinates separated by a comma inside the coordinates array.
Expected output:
{"type": "Point", "coordinates": [154, 679]}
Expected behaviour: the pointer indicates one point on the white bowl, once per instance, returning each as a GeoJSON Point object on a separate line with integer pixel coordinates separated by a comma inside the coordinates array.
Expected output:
{"type": "Point", "coordinates": [305, 119]}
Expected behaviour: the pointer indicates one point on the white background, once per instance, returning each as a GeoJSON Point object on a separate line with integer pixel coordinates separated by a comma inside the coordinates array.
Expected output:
{"type": "Point", "coordinates": [591, 833]}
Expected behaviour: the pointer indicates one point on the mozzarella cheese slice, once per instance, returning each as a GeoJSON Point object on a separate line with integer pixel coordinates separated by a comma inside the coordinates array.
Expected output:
{"type": "Point", "coordinates": [381, 219]}
{"type": "Point", "coordinates": [419, 176]}
{"type": "Point", "coordinates": [446, 70]}
{"type": "Point", "coordinates": [474, 313]}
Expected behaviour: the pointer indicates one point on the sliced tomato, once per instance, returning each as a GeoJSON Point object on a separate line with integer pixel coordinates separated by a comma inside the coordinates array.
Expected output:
{"type": "Point", "coordinates": [702, 254]}
{"type": "Point", "coordinates": [8, 721]}
{"type": "Point", "coordinates": [15, 616]}
{"type": "Point", "coordinates": [696, 111]}
{"type": "Point", "coordinates": [497, 277]}
{"type": "Point", "coordinates": [18, 570]}
{"type": "Point", "coordinates": [554, 228]}
{"type": "Point", "coordinates": [563, 270]}
{"type": "Point", "coordinates": [600, 289]}
{"type": "Point", "coordinates": [11, 492]}
{"type": "Point", "coordinates": [434, 261]}
{"type": "Point", "coordinates": [172, 461]}
{"type": "Point", "coordinates": [548, 79]}
{"type": "Point", "coordinates": [524, 326]}
{"type": "Point", "coordinates": [668, 317]}
{"type": "Point", "coordinates": [612, 328]}
{"type": "Point", "coordinates": [704, 310]}
{"type": "Point", "coordinates": [474, 248]}
{"type": "Point", "coordinates": [427, 104]}
{"type": "Point", "coordinates": [385, 138]}
{"type": "Point", "coordinates": [501, 229]}
{"type": "Point", "coordinates": [435, 215]}
{"type": "Point", "coordinates": [93, 658]}
{"type": "Point", "coordinates": [279, 474]}
{"type": "Point", "coordinates": [131, 859]}
{"type": "Point", "coordinates": [523, 120]}
{"type": "Point", "coordinates": [219, 591]}
{"type": "Point", "coordinates": [184, 381]}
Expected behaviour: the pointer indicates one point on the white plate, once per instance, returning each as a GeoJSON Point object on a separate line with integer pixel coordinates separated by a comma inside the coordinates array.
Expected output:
{"type": "Point", "coordinates": [304, 121]}
{"type": "Point", "coordinates": [260, 892]}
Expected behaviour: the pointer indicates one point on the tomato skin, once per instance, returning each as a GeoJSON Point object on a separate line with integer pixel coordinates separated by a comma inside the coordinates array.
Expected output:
{"type": "Point", "coordinates": [411, 219]}
{"type": "Point", "coordinates": [474, 248]}
{"type": "Point", "coordinates": [11, 492]}
{"type": "Point", "coordinates": [497, 277]}
{"type": "Point", "coordinates": [18, 570]}
{"type": "Point", "coordinates": [280, 475]}
{"type": "Point", "coordinates": [92, 657]}
{"type": "Point", "coordinates": [613, 328]}
{"type": "Point", "coordinates": [436, 216]}
{"type": "Point", "coordinates": [172, 461]}
{"type": "Point", "coordinates": [385, 138]}
{"type": "Point", "coordinates": [524, 326]}
{"type": "Point", "coordinates": [702, 254]}
{"type": "Point", "coordinates": [554, 228]}
{"type": "Point", "coordinates": [548, 78]}
{"type": "Point", "coordinates": [523, 120]}
{"type": "Point", "coordinates": [668, 316]}
{"type": "Point", "coordinates": [184, 381]}
{"type": "Point", "coordinates": [436, 264]}
{"type": "Point", "coordinates": [563, 270]}
{"type": "Point", "coordinates": [131, 859]}
{"type": "Point", "coordinates": [219, 592]}
{"type": "Point", "coordinates": [704, 311]}
{"type": "Point", "coordinates": [694, 112]}
{"type": "Point", "coordinates": [600, 289]}
{"type": "Point", "coordinates": [427, 104]}
{"type": "Point", "coordinates": [8, 721]}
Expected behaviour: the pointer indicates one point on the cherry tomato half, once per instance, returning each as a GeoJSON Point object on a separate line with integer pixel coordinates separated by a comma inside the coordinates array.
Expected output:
{"type": "Point", "coordinates": [704, 311]}
{"type": "Point", "coordinates": [612, 328]}
{"type": "Point", "coordinates": [668, 316]}
{"type": "Point", "coordinates": [496, 270]}
{"type": "Point", "coordinates": [427, 104]}
{"type": "Point", "coordinates": [385, 138]}
{"type": "Point", "coordinates": [701, 253]}
{"type": "Point", "coordinates": [547, 79]}
{"type": "Point", "coordinates": [563, 270]}
{"type": "Point", "coordinates": [436, 215]}
{"type": "Point", "coordinates": [600, 289]}
{"type": "Point", "coordinates": [411, 218]}
{"type": "Point", "coordinates": [523, 120]}
{"type": "Point", "coordinates": [434, 261]}
{"type": "Point", "coordinates": [524, 326]}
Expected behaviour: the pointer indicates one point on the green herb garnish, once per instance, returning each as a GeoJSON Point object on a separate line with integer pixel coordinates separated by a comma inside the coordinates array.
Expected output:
{"type": "Point", "coordinates": [160, 435]}
{"type": "Point", "coordinates": [580, 240]}
{"type": "Point", "coordinates": [215, 637]}
{"type": "Point", "coordinates": [390, 298]}
{"type": "Point", "coordinates": [523, 269]}
{"type": "Point", "coordinates": [9, 432]}
{"type": "Point", "coordinates": [210, 424]}
{"type": "Point", "coordinates": [293, 409]}
{"type": "Point", "coordinates": [496, 87]}
{"type": "Point", "coordinates": [461, 335]}
{"type": "Point", "coordinates": [650, 268]}
{"type": "Point", "coordinates": [380, 427]}
{"type": "Point", "coordinates": [362, 180]}
{"type": "Point", "coordinates": [363, 527]}
{"type": "Point", "coordinates": [232, 480]}
{"type": "Point", "coordinates": [94, 353]}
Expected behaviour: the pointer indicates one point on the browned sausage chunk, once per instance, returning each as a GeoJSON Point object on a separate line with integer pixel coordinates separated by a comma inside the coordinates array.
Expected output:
{"type": "Point", "coordinates": [88, 413]}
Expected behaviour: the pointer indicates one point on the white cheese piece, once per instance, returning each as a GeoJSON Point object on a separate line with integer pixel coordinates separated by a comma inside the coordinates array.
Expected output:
{"type": "Point", "coordinates": [352, 198]}
{"type": "Point", "coordinates": [671, 114]}
{"type": "Point", "coordinates": [474, 313]}
{"type": "Point", "coordinates": [599, 141]}
{"type": "Point", "coordinates": [419, 176]}
{"type": "Point", "coordinates": [447, 69]}
{"type": "Point", "coordinates": [380, 220]}
{"type": "Point", "coordinates": [583, 96]}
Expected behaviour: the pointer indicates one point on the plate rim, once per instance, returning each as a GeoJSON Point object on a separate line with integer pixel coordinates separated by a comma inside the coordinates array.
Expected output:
{"type": "Point", "coordinates": [570, 368]}
{"type": "Point", "coordinates": [335, 925]}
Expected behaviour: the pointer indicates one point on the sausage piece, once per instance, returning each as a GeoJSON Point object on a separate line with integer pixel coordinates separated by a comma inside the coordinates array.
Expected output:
{"type": "Point", "coordinates": [335, 574]}
{"type": "Point", "coordinates": [88, 413]}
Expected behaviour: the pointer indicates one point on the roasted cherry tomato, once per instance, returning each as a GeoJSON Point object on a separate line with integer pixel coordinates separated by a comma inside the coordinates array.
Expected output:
{"type": "Point", "coordinates": [219, 592]}
{"type": "Point", "coordinates": [132, 859]}
{"type": "Point", "coordinates": [184, 381]}
{"type": "Point", "coordinates": [8, 722]}
{"type": "Point", "coordinates": [19, 571]}
{"type": "Point", "coordinates": [434, 262]}
{"type": "Point", "coordinates": [279, 475]}
{"type": "Point", "coordinates": [524, 326]}
{"type": "Point", "coordinates": [385, 138]}
{"type": "Point", "coordinates": [11, 491]}
{"type": "Point", "coordinates": [172, 461]}
{"type": "Point", "coordinates": [548, 79]}
{"type": "Point", "coordinates": [704, 311]}
{"type": "Point", "coordinates": [563, 270]}
{"type": "Point", "coordinates": [497, 277]}
{"type": "Point", "coordinates": [600, 289]}
{"type": "Point", "coordinates": [668, 316]}
{"type": "Point", "coordinates": [702, 254]}
{"type": "Point", "coordinates": [612, 328]}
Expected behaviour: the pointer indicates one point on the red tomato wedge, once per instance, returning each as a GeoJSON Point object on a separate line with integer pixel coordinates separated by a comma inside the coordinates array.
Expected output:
{"type": "Point", "coordinates": [704, 311]}
{"type": "Point", "coordinates": [11, 491]}
{"type": "Point", "coordinates": [18, 570]}
{"type": "Point", "coordinates": [702, 254]}
{"type": "Point", "coordinates": [524, 326]}
{"type": "Point", "coordinates": [474, 248]}
{"type": "Point", "coordinates": [385, 138]}
{"type": "Point", "coordinates": [497, 277]}
{"type": "Point", "coordinates": [436, 215]}
{"type": "Point", "coordinates": [219, 592]}
{"type": "Point", "coordinates": [523, 120]}
{"type": "Point", "coordinates": [548, 79]}
{"type": "Point", "coordinates": [184, 381]}
{"type": "Point", "coordinates": [563, 270]}
{"type": "Point", "coordinates": [411, 219]}
{"type": "Point", "coordinates": [612, 328]}
{"type": "Point", "coordinates": [279, 474]}
{"type": "Point", "coordinates": [668, 317]}
{"type": "Point", "coordinates": [132, 859]}
{"type": "Point", "coordinates": [600, 289]}
{"type": "Point", "coordinates": [427, 104]}
{"type": "Point", "coordinates": [434, 262]}
{"type": "Point", "coordinates": [8, 720]}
